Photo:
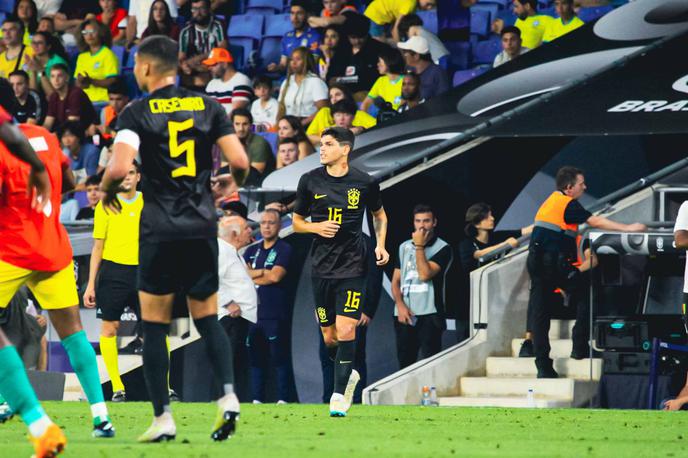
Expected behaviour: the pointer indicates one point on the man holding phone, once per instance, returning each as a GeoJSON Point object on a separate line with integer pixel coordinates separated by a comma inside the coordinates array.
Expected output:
{"type": "Point", "coordinates": [418, 286]}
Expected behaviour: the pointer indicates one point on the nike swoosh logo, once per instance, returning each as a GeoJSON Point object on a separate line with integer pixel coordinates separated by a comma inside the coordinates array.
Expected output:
{"type": "Point", "coordinates": [319, 196]}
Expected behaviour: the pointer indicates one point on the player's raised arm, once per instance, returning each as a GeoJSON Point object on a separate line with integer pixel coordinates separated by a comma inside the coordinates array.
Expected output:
{"type": "Point", "coordinates": [380, 225]}
{"type": "Point", "coordinates": [234, 152]}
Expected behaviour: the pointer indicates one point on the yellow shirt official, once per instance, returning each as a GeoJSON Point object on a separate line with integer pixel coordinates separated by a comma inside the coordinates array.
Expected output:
{"type": "Point", "coordinates": [384, 12]}
{"type": "Point", "coordinates": [103, 64]}
{"type": "Point", "coordinates": [556, 28]}
{"type": "Point", "coordinates": [389, 90]}
{"type": "Point", "coordinates": [532, 29]}
{"type": "Point", "coordinates": [323, 119]}
{"type": "Point", "coordinates": [120, 232]}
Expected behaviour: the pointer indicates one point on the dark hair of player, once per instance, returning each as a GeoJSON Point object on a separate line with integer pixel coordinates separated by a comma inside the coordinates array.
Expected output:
{"type": "Point", "coordinates": [163, 50]}
{"type": "Point", "coordinates": [342, 135]}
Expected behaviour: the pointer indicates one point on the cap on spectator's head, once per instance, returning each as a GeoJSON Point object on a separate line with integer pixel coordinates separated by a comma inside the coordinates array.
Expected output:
{"type": "Point", "coordinates": [218, 55]}
{"type": "Point", "coordinates": [235, 206]}
{"type": "Point", "coordinates": [356, 25]}
{"type": "Point", "coordinates": [416, 44]}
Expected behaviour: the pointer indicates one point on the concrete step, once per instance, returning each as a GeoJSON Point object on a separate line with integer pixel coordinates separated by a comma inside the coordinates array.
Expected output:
{"type": "Point", "coordinates": [561, 348]}
{"type": "Point", "coordinates": [504, 401]}
{"type": "Point", "coordinates": [561, 329]}
{"type": "Point", "coordinates": [561, 388]}
{"type": "Point", "coordinates": [525, 367]}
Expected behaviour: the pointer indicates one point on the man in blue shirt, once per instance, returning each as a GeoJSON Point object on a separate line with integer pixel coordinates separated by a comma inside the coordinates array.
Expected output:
{"type": "Point", "coordinates": [84, 156]}
{"type": "Point", "coordinates": [267, 263]}
{"type": "Point", "coordinates": [301, 36]}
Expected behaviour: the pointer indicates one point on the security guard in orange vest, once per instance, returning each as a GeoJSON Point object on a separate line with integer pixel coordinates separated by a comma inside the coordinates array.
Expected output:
{"type": "Point", "coordinates": [552, 255]}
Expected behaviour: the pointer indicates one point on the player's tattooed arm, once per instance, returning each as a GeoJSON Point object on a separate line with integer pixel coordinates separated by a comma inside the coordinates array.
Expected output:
{"type": "Point", "coordinates": [123, 155]}
{"type": "Point", "coordinates": [380, 225]}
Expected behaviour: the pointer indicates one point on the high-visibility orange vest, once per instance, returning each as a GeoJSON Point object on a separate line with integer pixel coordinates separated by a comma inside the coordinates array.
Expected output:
{"type": "Point", "coordinates": [551, 215]}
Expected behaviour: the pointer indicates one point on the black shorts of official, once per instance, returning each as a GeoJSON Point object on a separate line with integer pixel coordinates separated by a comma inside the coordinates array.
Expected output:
{"type": "Point", "coordinates": [334, 297]}
{"type": "Point", "coordinates": [115, 290]}
{"type": "Point", "coordinates": [187, 267]}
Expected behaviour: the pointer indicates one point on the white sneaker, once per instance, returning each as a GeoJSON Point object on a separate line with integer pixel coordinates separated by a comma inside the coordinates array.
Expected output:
{"type": "Point", "coordinates": [350, 388]}
{"type": "Point", "coordinates": [163, 429]}
{"type": "Point", "coordinates": [337, 405]}
{"type": "Point", "coordinates": [281, 402]}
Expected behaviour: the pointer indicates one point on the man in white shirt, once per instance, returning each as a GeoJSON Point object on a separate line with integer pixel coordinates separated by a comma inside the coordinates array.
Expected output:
{"type": "Point", "coordinates": [236, 297]}
{"type": "Point", "coordinates": [137, 21]}
{"type": "Point", "coordinates": [511, 46]}
{"type": "Point", "coordinates": [230, 87]}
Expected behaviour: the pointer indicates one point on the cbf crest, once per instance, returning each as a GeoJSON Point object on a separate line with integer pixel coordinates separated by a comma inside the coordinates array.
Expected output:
{"type": "Point", "coordinates": [353, 196]}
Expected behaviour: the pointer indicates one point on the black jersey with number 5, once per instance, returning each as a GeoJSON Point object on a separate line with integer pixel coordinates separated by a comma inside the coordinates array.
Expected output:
{"type": "Point", "coordinates": [343, 200]}
{"type": "Point", "coordinates": [177, 129]}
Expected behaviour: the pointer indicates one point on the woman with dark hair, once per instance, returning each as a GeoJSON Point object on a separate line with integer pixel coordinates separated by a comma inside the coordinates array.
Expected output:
{"type": "Point", "coordinates": [47, 51]}
{"type": "Point", "coordinates": [160, 21]}
{"type": "Point", "coordinates": [291, 127]}
{"type": "Point", "coordinates": [323, 119]}
{"type": "Point", "coordinates": [27, 12]}
{"type": "Point", "coordinates": [390, 65]}
{"type": "Point", "coordinates": [302, 93]}
{"type": "Point", "coordinates": [333, 42]}
{"type": "Point", "coordinates": [97, 66]}
{"type": "Point", "coordinates": [113, 17]}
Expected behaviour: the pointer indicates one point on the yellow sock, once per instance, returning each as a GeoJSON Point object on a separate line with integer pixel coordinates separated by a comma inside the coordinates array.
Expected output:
{"type": "Point", "coordinates": [167, 342]}
{"type": "Point", "coordinates": [108, 348]}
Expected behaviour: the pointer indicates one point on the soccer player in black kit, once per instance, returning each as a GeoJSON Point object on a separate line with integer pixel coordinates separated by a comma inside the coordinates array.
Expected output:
{"type": "Point", "coordinates": [174, 129]}
{"type": "Point", "coordinates": [336, 197]}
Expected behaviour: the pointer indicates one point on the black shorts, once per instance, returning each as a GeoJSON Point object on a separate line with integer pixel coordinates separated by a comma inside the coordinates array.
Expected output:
{"type": "Point", "coordinates": [188, 267]}
{"type": "Point", "coordinates": [334, 297]}
{"type": "Point", "coordinates": [115, 290]}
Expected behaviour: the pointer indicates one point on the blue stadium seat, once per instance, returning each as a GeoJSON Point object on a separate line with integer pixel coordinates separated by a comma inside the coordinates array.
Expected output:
{"type": "Point", "coordinates": [548, 11]}
{"type": "Point", "coordinates": [7, 5]}
{"type": "Point", "coordinates": [132, 88]}
{"type": "Point", "coordinates": [246, 26]}
{"type": "Point", "coordinates": [593, 13]}
{"type": "Point", "coordinates": [543, 4]}
{"type": "Point", "coordinates": [489, 7]}
{"type": "Point", "coordinates": [130, 57]}
{"type": "Point", "coordinates": [503, 4]}
{"type": "Point", "coordinates": [462, 76]}
{"type": "Point", "coordinates": [480, 22]}
{"type": "Point", "coordinates": [507, 16]}
{"type": "Point", "coordinates": [265, 6]}
{"type": "Point", "coordinates": [270, 51]}
{"type": "Point", "coordinates": [277, 25]}
{"type": "Point", "coordinates": [237, 53]}
{"type": "Point", "coordinates": [120, 53]}
{"type": "Point", "coordinates": [271, 138]}
{"type": "Point", "coordinates": [72, 54]}
{"type": "Point", "coordinates": [484, 52]}
{"type": "Point", "coordinates": [429, 20]}
{"type": "Point", "coordinates": [459, 54]}
{"type": "Point", "coordinates": [3, 15]}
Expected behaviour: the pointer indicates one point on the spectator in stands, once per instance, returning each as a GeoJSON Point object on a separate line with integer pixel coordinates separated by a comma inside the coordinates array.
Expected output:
{"type": "Point", "coordinates": [410, 92]}
{"type": "Point", "coordinates": [196, 40]}
{"type": "Point", "coordinates": [27, 12]}
{"type": "Point", "coordinates": [28, 106]}
{"type": "Point", "coordinates": [390, 65]}
{"type": "Point", "coordinates": [323, 119]}
{"type": "Point", "coordinates": [301, 37]}
{"type": "Point", "coordinates": [15, 53]}
{"type": "Point", "coordinates": [67, 102]}
{"type": "Point", "coordinates": [46, 24]}
{"type": "Point", "coordinates": [118, 98]}
{"type": "Point", "coordinates": [160, 21]}
{"type": "Point", "coordinates": [343, 113]}
{"type": "Point", "coordinates": [224, 8]}
{"type": "Point", "coordinates": [93, 196]}
{"type": "Point", "coordinates": [565, 23]}
{"type": "Point", "coordinates": [97, 66]}
{"type": "Point", "coordinates": [418, 284]}
{"type": "Point", "coordinates": [115, 18]}
{"type": "Point", "coordinates": [333, 42]}
{"type": "Point", "coordinates": [265, 108]}
{"type": "Point", "coordinates": [228, 86]}
{"type": "Point", "coordinates": [47, 51]}
{"type": "Point", "coordinates": [454, 19]}
{"type": "Point", "coordinates": [531, 24]}
{"type": "Point", "coordinates": [511, 46]}
{"type": "Point", "coordinates": [291, 127]}
{"type": "Point", "coordinates": [70, 16]}
{"type": "Point", "coordinates": [259, 152]}
{"type": "Point", "coordinates": [302, 93]}
{"type": "Point", "coordinates": [357, 68]}
{"type": "Point", "coordinates": [236, 297]}
{"type": "Point", "coordinates": [388, 13]}
{"type": "Point", "coordinates": [287, 152]}
{"type": "Point", "coordinates": [333, 13]}
{"type": "Point", "coordinates": [84, 156]}
{"type": "Point", "coordinates": [139, 18]}
{"type": "Point", "coordinates": [412, 25]}
{"type": "Point", "coordinates": [267, 265]}
{"type": "Point", "coordinates": [47, 8]}
{"type": "Point", "coordinates": [433, 79]}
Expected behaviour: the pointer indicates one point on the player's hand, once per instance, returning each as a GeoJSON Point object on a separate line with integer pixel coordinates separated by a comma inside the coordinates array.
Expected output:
{"type": "Point", "coordinates": [90, 297]}
{"type": "Point", "coordinates": [327, 229]}
{"type": "Point", "coordinates": [637, 227]}
{"type": "Point", "coordinates": [39, 189]}
{"type": "Point", "coordinates": [364, 320]}
{"type": "Point", "coordinates": [381, 256]}
{"type": "Point", "coordinates": [404, 314]}
{"type": "Point", "coordinates": [420, 237]}
{"type": "Point", "coordinates": [673, 404]}
{"type": "Point", "coordinates": [111, 203]}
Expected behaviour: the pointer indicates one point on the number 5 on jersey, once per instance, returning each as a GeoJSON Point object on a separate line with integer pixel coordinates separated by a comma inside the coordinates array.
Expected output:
{"type": "Point", "coordinates": [177, 149]}
{"type": "Point", "coordinates": [335, 214]}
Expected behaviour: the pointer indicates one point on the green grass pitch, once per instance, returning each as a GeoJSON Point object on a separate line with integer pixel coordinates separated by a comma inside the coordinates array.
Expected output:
{"type": "Point", "coordinates": [372, 431]}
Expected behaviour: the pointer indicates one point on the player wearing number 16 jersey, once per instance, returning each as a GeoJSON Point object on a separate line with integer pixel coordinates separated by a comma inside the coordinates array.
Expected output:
{"type": "Point", "coordinates": [174, 130]}
{"type": "Point", "coordinates": [336, 198]}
